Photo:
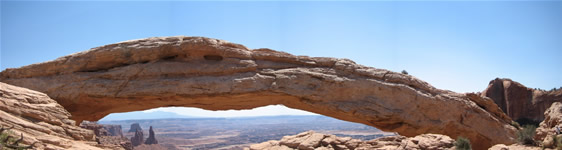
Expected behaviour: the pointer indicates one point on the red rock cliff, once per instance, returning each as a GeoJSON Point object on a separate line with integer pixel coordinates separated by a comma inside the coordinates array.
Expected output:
{"type": "Point", "coordinates": [520, 102]}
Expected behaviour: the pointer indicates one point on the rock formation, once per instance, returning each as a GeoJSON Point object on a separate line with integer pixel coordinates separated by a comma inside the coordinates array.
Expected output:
{"type": "Point", "coordinates": [553, 118]}
{"type": "Point", "coordinates": [98, 129]}
{"type": "Point", "coordinates": [114, 142]}
{"type": "Point", "coordinates": [114, 130]}
{"type": "Point", "coordinates": [218, 75]}
{"type": "Point", "coordinates": [108, 136]}
{"type": "Point", "coordinates": [151, 137]}
{"type": "Point", "coordinates": [135, 127]}
{"type": "Point", "coordinates": [40, 119]}
{"type": "Point", "coordinates": [138, 138]}
{"type": "Point", "coordinates": [316, 141]}
{"type": "Point", "coordinates": [515, 147]}
{"type": "Point", "coordinates": [103, 129]}
{"type": "Point", "coordinates": [520, 102]}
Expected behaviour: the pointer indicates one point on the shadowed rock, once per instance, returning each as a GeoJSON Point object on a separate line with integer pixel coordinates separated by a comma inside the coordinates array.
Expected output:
{"type": "Point", "coordinates": [151, 137]}
{"type": "Point", "coordinates": [135, 127]}
{"type": "Point", "coordinates": [103, 129]}
{"type": "Point", "coordinates": [138, 138]}
{"type": "Point", "coordinates": [218, 75]}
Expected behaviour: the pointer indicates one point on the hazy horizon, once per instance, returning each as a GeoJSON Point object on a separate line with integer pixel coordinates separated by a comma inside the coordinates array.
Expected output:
{"type": "Point", "coordinates": [453, 45]}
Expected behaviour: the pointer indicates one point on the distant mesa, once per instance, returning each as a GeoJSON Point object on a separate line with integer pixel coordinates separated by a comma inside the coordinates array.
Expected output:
{"type": "Point", "coordinates": [135, 127]}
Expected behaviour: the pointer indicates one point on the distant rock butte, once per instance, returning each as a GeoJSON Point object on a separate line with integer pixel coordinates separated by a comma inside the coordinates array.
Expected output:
{"type": "Point", "coordinates": [316, 141]}
{"type": "Point", "coordinates": [40, 119]}
{"type": "Point", "coordinates": [135, 127]}
{"type": "Point", "coordinates": [138, 138]}
{"type": "Point", "coordinates": [520, 102]}
{"type": "Point", "coordinates": [151, 137]}
{"type": "Point", "coordinates": [218, 75]}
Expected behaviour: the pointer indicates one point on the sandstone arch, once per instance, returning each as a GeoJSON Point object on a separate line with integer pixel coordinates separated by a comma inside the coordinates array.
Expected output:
{"type": "Point", "coordinates": [218, 75]}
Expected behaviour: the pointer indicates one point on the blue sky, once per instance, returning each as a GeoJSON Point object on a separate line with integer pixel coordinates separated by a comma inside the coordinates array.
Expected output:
{"type": "Point", "coordinates": [454, 45]}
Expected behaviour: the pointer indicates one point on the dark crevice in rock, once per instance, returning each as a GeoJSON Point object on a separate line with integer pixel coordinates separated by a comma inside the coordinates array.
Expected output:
{"type": "Point", "coordinates": [213, 57]}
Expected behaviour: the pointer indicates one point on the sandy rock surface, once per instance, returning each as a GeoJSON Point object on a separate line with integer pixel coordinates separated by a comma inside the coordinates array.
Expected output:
{"type": "Point", "coordinates": [311, 140]}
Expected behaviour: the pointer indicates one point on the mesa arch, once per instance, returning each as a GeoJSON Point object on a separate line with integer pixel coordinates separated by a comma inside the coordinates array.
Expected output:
{"type": "Point", "coordinates": [218, 75]}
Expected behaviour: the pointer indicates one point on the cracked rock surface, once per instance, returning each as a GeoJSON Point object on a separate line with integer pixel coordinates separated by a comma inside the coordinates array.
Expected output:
{"type": "Point", "coordinates": [218, 75]}
{"type": "Point", "coordinates": [311, 140]}
{"type": "Point", "coordinates": [40, 119]}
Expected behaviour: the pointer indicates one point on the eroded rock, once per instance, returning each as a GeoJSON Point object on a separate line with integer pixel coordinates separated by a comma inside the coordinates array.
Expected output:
{"type": "Point", "coordinates": [151, 137]}
{"type": "Point", "coordinates": [138, 138]}
{"type": "Point", "coordinates": [134, 127]}
{"type": "Point", "coordinates": [218, 75]}
{"type": "Point", "coordinates": [311, 140]}
{"type": "Point", "coordinates": [520, 102]}
{"type": "Point", "coordinates": [553, 119]}
{"type": "Point", "coordinates": [40, 119]}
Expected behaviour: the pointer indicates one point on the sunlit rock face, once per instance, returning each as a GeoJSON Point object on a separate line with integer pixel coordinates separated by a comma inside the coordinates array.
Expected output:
{"type": "Point", "coordinates": [40, 119]}
{"type": "Point", "coordinates": [218, 75]}
{"type": "Point", "coordinates": [317, 141]}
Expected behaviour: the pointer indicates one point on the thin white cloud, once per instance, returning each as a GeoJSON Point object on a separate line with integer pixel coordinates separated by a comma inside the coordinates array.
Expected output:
{"type": "Point", "coordinates": [271, 110]}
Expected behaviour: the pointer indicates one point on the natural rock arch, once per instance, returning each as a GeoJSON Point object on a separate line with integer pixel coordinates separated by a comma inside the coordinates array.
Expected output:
{"type": "Point", "coordinates": [217, 75]}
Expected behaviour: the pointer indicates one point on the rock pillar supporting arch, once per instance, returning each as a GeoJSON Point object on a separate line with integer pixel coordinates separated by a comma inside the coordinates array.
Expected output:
{"type": "Point", "coordinates": [218, 75]}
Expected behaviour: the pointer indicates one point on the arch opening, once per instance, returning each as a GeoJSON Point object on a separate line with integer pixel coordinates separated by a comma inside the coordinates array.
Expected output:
{"type": "Point", "coordinates": [225, 130]}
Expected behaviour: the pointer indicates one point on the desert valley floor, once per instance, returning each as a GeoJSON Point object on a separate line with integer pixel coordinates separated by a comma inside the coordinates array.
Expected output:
{"type": "Point", "coordinates": [236, 133]}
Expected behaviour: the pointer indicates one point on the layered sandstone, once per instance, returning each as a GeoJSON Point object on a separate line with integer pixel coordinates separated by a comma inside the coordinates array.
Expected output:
{"type": "Point", "coordinates": [519, 102]}
{"type": "Point", "coordinates": [316, 141]}
{"type": "Point", "coordinates": [218, 75]}
{"type": "Point", "coordinates": [40, 120]}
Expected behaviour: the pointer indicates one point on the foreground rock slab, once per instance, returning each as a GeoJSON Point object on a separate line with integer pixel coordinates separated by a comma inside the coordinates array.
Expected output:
{"type": "Point", "coordinates": [515, 147]}
{"type": "Point", "coordinates": [218, 75]}
{"type": "Point", "coordinates": [40, 119]}
{"type": "Point", "coordinates": [316, 141]}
